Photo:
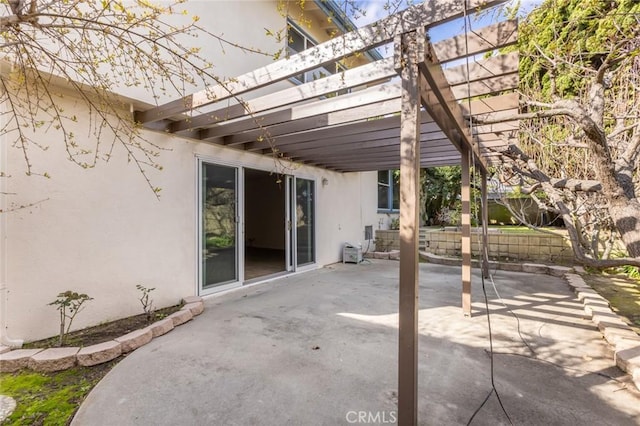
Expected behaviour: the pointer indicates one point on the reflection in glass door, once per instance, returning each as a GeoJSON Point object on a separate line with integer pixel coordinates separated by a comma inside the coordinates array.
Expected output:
{"type": "Point", "coordinates": [289, 217]}
{"type": "Point", "coordinates": [219, 225]}
{"type": "Point", "coordinates": [305, 222]}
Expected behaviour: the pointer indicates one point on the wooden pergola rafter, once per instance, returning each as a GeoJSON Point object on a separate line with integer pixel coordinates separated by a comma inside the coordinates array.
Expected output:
{"type": "Point", "coordinates": [286, 120]}
{"type": "Point", "coordinates": [421, 119]}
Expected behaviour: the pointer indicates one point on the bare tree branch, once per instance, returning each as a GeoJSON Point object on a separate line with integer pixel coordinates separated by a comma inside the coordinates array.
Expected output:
{"type": "Point", "coordinates": [95, 47]}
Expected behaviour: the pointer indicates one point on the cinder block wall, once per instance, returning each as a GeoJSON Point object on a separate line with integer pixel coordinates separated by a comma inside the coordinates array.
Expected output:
{"type": "Point", "coordinates": [387, 240]}
{"type": "Point", "coordinates": [539, 247]}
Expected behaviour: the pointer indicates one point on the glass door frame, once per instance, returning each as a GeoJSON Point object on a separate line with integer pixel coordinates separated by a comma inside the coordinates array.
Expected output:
{"type": "Point", "coordinates": [294, 233]}
{"type": "Point", "coordinates": [290, 215]}
{"type": "Point", "coordinates": [289, 229]}
{"type": "Point", "coordinates": [239, 228]}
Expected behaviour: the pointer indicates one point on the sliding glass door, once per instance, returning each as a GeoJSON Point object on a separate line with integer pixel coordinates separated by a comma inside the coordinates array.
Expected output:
{"type": "Point", "coordinates": [242, 223]}
{"type": "Point", "coordinates": [219, 225]}
{"type": "Point", "coordinates": [305, 222]}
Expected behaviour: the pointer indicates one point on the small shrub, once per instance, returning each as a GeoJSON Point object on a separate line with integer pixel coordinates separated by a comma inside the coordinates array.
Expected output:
{"type": "Point", "coordinates": [147, 303]}
{"type": "Point", "coordinates": [69, 304]}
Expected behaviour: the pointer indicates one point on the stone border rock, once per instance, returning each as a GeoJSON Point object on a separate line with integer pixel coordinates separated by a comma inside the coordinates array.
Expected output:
{"type": "Point", "coordinates": [7, 405]}
{"type": "Point", "coordinates": [57, 359]}
{"type": "Point", "coordinates": [623, 340]}
{"type": "Point", "coordinates": [532, 268]}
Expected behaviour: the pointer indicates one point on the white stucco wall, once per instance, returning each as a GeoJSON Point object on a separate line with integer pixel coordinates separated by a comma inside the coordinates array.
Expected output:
{"type": "Point", "coordinates": [101, 231]}
{"type": "Point", "coordinates": [383, 220]}
{"type": "Point", "coordinates": [242, 23]}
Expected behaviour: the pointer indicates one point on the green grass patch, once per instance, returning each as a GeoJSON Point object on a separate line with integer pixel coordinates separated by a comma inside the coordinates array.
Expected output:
{"type": "Point", "coordinates": [53, 398]}
{"type": "Point", "coordinates": [219, 242]}
{"type": "Point", "coordinates": [49, 398]}
{"type": "Point", "coordinates": [515, 229]}
{"type": "Point", "coordinates": [622, 292]}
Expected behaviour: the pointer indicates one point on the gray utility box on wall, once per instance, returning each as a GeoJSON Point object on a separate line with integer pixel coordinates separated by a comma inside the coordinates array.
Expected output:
{"type": "Point", "coordinates": [351, 254]}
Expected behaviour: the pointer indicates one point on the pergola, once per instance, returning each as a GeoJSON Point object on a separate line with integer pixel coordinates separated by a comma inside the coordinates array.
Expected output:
{"type": "Point", "coordinates": [424, 118]}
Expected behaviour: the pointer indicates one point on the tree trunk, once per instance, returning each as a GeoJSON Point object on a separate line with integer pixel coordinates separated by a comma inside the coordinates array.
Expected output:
{"type": "Point", "coordinates": [626, 217]}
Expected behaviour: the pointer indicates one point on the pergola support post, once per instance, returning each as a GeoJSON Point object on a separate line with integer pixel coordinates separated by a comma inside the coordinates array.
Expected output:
{"type": "Point", "coordinates": [406, 62]}
{"type": "Point", "coordinates": [485, 224]}
{"type": "Point", "coordinates": [465, 194]}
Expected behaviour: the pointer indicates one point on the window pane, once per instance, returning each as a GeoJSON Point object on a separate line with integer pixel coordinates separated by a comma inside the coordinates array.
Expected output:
{"type": "Point", "coordinates": [295, 44]}
{"type": "Point", "coordinates": [295, 40]}
{"type": "Point", "coordinates": [383, 189]}
{"type": "Point", "coordinates": [383, 177]}
{"type": "Point", "coordinates": [396, 189]}
{"type": "Point", "coordinates": [383, 197]}
{"type": "Point", "coordinates": [305, 218]}
{"type": "Point", "coordinates": [218, 225]}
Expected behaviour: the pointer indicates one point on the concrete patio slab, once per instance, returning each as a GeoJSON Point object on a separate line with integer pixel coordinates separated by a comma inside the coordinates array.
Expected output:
{"type": "Point", "coordinates": [320, 348]}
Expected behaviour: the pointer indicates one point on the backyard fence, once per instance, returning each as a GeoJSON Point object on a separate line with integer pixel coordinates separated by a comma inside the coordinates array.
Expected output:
{"type": "Point", "coordinates": [539, 247]}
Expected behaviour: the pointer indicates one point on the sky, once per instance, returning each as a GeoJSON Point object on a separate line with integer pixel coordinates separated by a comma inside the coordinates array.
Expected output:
{"type": "Point", "coordinates": [374, 10]}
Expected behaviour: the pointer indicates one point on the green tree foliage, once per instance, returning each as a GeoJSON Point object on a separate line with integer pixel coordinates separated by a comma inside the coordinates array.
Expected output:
{"type": "Point", "coordinates": [580, 141]}
{"type": "Point", "coordinates": [441, 188]}
{"type": "Point", "coordinates": [581, 32]}
{"type": "Point", "coordinates": [440, 195]}
{"type": "Point", "coordinates": [92, 49]}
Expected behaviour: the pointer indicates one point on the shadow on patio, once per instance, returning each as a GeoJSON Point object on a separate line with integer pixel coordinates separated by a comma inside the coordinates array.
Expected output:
{"type": "Point", "coordinates": [321, 348]}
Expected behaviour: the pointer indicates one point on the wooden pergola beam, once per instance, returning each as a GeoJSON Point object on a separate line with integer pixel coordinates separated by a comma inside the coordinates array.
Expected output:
{"type": "Point", "coordinates": [486, 86]}
{"type": "Point", "coordinates": [347, 103]}
{"type": "Point", "coordinates": [329, 132]}
{"type": "Point", "coordinates": [334, 131]}
{"type": "Point", "coordinates": [491, 104]}
{"type": "Point", "coordinates": [432, 162]}
{"type": "Point", "coordinates": [408, 49]}
{"type": "Point", "coordinates": [439, 101]}
{"type": "Point", "coordinates": [428, 131]}
{"type": "Point", "coordinates": [497, 128]}
{"type": "Point", "coordinates": [478, 41]}
{"type": "Point", "coordinates": [308, 130]}
{"type": "Point", "coordinates": [496, 115]}
{"type": "Point", "coordinates": [465, 220]}
{"type": "Point", "coordinates": [491, 67]}
{"type": "Point", "coordinates": [362, 75]}
{"type": "Point", "coordinates": [365, 38]}
{"type": "Point", "coordinates": [389, 153]}
{"type": "Point", "coordinates": [484, 193]}
{"type": "Point", "coordinates": [435, 141]}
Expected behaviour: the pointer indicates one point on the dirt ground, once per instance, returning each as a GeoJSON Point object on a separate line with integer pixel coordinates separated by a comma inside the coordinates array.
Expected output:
{"type": "Point", "coordinates": [103, 332]}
